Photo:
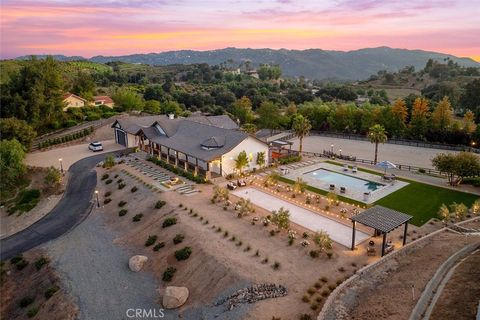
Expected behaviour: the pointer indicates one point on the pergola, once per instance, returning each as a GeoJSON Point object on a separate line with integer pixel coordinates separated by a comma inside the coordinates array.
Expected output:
{"type": "Point", "coordinates": [382, 220]}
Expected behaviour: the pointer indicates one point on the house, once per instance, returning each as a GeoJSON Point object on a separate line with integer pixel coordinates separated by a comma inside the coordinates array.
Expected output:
{"type": "Point", "coordinates": [102, 100]}
{"type": "Point", "coordinates": [207, 145]}
{"type": "Point", "coordinates": [73, 101]}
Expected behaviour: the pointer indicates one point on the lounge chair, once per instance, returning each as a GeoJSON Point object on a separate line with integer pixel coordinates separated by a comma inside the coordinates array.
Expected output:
{"type": "Point", "coordinates": [345, 167]}
{"type": "Point", "coordinates": [332, 187]}
{"type": "Point", "coordinates": [343, 189]}
{"type": "Point", "coordinates": [231, 186]}
{"type": "Point", "coordinates": [354, 169]}
{"type": "Point", "coordinates": [241, 183]}
{"type": "Point", "coordinates": [371, 248]}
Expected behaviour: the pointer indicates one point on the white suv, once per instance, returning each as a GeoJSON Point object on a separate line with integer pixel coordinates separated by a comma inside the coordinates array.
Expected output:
{"type": "Point", "coordinates": [95, 146]}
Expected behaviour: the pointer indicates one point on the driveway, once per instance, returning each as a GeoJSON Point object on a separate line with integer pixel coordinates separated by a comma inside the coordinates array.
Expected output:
{"type": "Point", "coordinates": [71, 210]}
{"type": "Point", "coordinates": [69, 155]}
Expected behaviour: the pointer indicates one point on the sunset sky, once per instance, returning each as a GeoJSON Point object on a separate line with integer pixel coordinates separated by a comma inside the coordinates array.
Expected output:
{"type": "Point", "coordinates": [117, 27]}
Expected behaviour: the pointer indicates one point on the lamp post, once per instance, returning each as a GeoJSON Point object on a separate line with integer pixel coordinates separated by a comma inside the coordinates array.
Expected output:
{"type": "Point", "coordinates": [340, 152]}
{"type": "Point", "coordinates": [331, 148]}
{"type": "Point", "coordinates": [98, 201]}
{"type": "Point", "coordinates": [61, 164]}
{"type": "Point", "coordinates": [473, 144]}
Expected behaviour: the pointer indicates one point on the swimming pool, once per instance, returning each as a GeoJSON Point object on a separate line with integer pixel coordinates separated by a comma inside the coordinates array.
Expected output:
{"type": "Point", "coordinates": [343, 180]}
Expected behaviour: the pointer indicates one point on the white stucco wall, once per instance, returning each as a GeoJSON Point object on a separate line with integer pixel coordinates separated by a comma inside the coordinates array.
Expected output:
{"type": "Point", "coordinates": [251, 146]}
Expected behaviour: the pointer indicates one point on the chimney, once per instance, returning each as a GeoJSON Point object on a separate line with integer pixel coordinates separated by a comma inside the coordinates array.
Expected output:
{"type": "Point", "coordinates": [171, 116]}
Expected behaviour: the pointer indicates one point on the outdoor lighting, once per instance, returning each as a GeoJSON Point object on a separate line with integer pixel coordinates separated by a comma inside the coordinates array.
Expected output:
{"type": "Point", "coordinates": [340, 151]}
{"type": "Point", "coordinates": [61, 164]}
{"type": "Point", "coordinates": [331, 147]}
{"type": "Point", "coordinates": [98, 201]}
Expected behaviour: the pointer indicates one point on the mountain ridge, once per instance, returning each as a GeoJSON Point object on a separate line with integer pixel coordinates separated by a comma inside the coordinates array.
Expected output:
{"type": "Point", "coordinates": [311, 63]}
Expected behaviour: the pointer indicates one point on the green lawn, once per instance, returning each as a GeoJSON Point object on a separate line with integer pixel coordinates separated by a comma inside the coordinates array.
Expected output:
{"type": "Point", "coordinates": [417, 199]}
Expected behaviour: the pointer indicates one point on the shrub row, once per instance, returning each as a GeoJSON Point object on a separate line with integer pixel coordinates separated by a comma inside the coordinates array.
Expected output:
{"type": "Point", "coordinates": [67, 138]}
{"type": "Point", "coordinates": [179, 171]}
{"type": "Point", "coordinates": [290, 159]}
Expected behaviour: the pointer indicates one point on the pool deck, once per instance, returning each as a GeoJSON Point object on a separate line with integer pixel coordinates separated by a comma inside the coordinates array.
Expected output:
{"type": "Point", "coordinates": [358, 195]}
{"type": "Point", "coordinates": [338, 232]}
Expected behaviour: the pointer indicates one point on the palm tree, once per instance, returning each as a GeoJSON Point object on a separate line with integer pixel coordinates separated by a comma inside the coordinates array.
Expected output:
{"type": "Point", "coordinates": [377, 134]}
{"type": "Point", "coordinates": [241, 161]}
{"type": "Point", "coordinates": [301, 126]}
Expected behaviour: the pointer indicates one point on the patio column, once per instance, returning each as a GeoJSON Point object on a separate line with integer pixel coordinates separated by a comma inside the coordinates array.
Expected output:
{"type": "Point", "coordinates": [168, 155]}
{"type": "Point", "coordinates": [353, 235]}
{"type": "Point", "coordinates": [185, 164]}
{"type": "Point", "coordinates": [195, 173]}
{"type": "Point", "coordinates": [383, 243]}
{"type": "Point", "coordinates": [176, 158]}
{"type": "Point", "coordinates": [207, 173]}
{"type": "Point", "coordinates": [405, 233]}
{"type": "Point", "coordinates": [221, 170]}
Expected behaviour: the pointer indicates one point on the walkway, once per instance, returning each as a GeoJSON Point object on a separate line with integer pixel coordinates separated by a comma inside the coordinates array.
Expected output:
{"type": "Point", "coordinates": [69, 212]}
{"type": "Point", "coordinates": [338, 232]}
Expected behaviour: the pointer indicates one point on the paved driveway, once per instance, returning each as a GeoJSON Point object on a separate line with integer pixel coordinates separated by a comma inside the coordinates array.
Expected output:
{"type": "Point", "coordinates": [71, 210]}
{"type": "Point", "coordinates": [338, 232]}
{"type": "Point", "coordinates": [69, 155]}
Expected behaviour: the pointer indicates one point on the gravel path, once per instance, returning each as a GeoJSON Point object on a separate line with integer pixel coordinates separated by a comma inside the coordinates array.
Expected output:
{"type": "Point", "coordinates": [95, 272]}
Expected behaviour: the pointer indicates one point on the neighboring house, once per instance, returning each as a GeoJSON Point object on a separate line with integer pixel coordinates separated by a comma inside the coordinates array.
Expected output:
{"type": "Point", "coordinates": [207, 145]}
{"type": "Point", "coordinates": [73, 101]}
{"type": "Point", "coordinates": [102, 100]}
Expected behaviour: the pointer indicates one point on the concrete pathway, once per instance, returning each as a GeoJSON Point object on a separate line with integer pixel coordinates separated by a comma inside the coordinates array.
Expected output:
{"type": "Point", "coordinates": [338, 232]}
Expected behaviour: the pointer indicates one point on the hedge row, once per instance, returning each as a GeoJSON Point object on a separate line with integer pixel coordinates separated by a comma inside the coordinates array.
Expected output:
{"type": "Point", "coordinates": [181, 172]}
{"type": "Point", "coordinates": [67, 138]}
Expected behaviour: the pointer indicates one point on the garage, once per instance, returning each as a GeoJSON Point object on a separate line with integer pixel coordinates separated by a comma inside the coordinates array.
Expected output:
{"type": "Point", "coordinates": [121, 137]}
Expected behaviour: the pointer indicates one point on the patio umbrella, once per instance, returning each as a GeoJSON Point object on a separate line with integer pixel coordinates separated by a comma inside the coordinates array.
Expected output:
{"type": "Point", "coordinates": [386, 165]}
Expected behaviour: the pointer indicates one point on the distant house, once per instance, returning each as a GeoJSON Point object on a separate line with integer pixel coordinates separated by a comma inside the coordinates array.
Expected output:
{"type": "Point", "coordinates": [102, 100]}
{"type": "Point", "coordinates": [73, 101]}
{"type": "Point", "coordinates": [208, 145]}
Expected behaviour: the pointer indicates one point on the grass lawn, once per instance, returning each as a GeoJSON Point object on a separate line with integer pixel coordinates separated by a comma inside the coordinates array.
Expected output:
{"type": "Point", "coordinates": [417, 199]}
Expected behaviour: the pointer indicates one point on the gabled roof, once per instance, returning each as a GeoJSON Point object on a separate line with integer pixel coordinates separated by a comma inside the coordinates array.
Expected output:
{"type": "Point", "coordinates": [104, 99]}
{"type": "Point", "coordinates": [221, 121]}
{"type": "Point", "coordinates": [381, 218]}
{"type": "Point", "coordinates": [68, 95]}
{"type": "Point", "coordinates": [196, 136]}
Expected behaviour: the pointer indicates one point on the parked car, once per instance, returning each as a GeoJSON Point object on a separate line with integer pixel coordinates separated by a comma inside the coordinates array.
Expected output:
{"type": "Point", "coordinates": [95, 146]}
{"type": "Point", "coordinates": [231, 186]}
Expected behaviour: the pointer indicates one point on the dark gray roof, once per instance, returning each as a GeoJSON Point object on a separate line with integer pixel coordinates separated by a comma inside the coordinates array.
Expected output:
{"type": "Point", "coordinates": [190, 136]}
{"type": "Point", "coordinates": [381, 218]}
{"type": "Point", "coordinates": [222, 121]}
{"type": "Point", "coordinates": [206, 138]}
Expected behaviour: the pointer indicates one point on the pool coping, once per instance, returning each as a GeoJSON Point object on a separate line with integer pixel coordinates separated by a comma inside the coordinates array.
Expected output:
{"type": "Point", "coordinates": [375, 195]}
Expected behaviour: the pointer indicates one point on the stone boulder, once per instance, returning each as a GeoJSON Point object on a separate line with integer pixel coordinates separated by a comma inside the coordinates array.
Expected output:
{"type": "Point", "coordinates": [136, 263]}
{"type": "Point", "coordinates": [174, 297]}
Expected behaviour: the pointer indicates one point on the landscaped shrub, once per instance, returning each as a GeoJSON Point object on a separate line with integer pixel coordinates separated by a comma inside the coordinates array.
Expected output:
{"type": "Point", "coordinates": [276, 265]}
{"type": "Point", "coordinates": [137, 217]}
{"type": "Point", "coordinates": [319, 299]}
{"type": "Point", "coordinates": [178, 238]}
{"type": "Point", "coordinates": [105, 176]}
{"type": "Point", "coordinates": [272, 233]}
{"type": "Point", "coordinates": [122, 203]}
{"type": "Point", "coordinates": [265, 260]}
{"type": "Point", "coordinates": [158, 246]}
{"type": "Point", "coordinates": [305, 317]}
{"type": "Point", "coordinates": [16, 259]}
{"type": "Point", "coordinates": [160, 204]}
{"type": "Point", "coordinates": [41, 262]}
{"type": "Point", "coordinates": [341, 269]}
{"type": "Point", "coordinates": [21, 264]}
{"type": "Point", "coordinates": [169, 222]}
{"type": "Point", "coordinates": [121, 185]}
{"type": "Point", "coordinates": [329, 255]}
{"type": "Point", "coordinates": [325, 293]}
{"type": "Point", "coordinates": [314, 306]}
{"type": "Point", "coordinates": [168, 274]}
{"type": "Point", "coordinates": [324, 279]}
{"type": "Point", "coordinates": [151, 240]}
{"type": "Point", "coordinates": [107, 201]}
{"type": "Point", "coordinates": [290, 159]}
{"type": "Point", "coordinates": [115, 176]}
{"type": "Point", "coordinates": [108, 181]}
{"type": "Point", "coordinates": [32, 312]}
{"type": "Point", "coordinates": [183, 254]}
{"type": "Point", "coordinates": [306, 298]}
{"type": "Point", "coordinates": [122, 212]}
{"type": "Point", "coordinates": [318, 285]}
{"type": "Point", "coordinates": [120, 180]}
{"type": "Point", "coordinates": [181, 172]}
{"type": "Point", "coordinates": [134, 189]}
{"type": "Point", "coordinates": [339, 282]}
{"type": "Point", "coordinates": [331, 287]}
{"type": "Point", "coordinates": [108, 194]}
{"type": "Point", "coordinates": [25, 201]}
{"type": "Point", "coordinates": [26, 301]}
{"type": "Point", "coordinates": [50, 292]}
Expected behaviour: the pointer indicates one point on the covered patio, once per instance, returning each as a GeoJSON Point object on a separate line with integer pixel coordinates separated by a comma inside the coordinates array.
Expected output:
{"type": "Point", "coordinates": [383, 220]}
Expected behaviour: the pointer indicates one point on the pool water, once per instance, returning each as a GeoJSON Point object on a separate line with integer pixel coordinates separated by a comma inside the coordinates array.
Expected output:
{"type": "Point", "coordinates": [342, 180]}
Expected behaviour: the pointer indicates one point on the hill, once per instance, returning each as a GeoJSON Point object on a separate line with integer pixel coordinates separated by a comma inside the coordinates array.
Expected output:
{"type": "Point", "coordinates": [312, 63]}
